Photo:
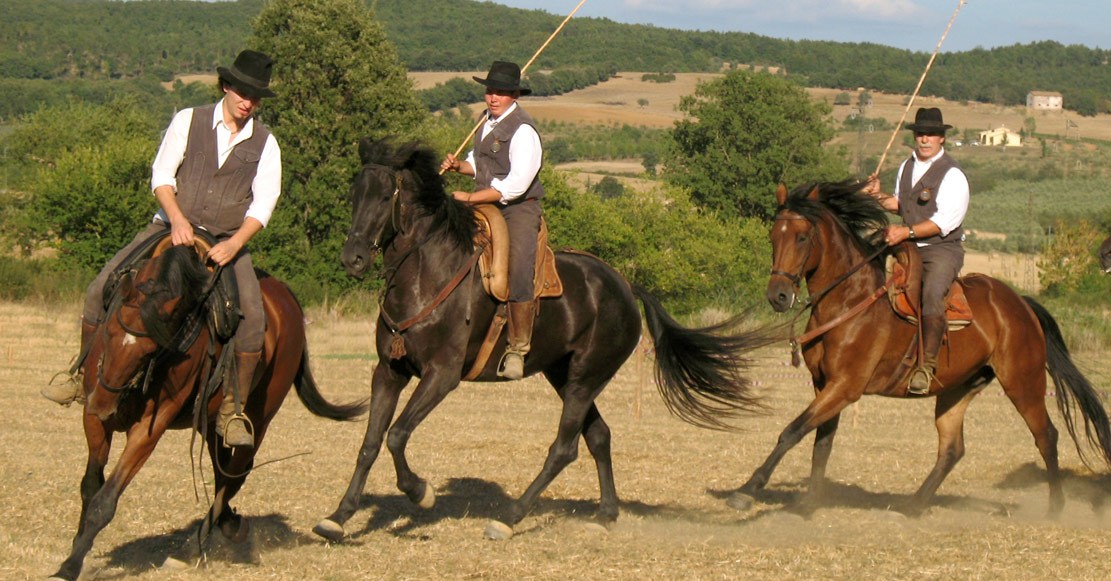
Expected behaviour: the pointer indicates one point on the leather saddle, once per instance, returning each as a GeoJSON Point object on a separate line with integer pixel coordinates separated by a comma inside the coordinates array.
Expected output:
{"type": "Point", "coordinates": [904, 268]}
{"type": "Point", "coordinates": [223, 303]}
{"type": "Point", "coordinates": [493, 264]}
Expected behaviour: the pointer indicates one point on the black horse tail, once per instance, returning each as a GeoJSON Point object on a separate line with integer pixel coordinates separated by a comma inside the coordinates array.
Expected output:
{"type": "Point", "coordinates": [1074, 391]}
{"type": "Point", "coordinates": [700, 372]}
{"type": "Point", "coordinates": [310, 395]}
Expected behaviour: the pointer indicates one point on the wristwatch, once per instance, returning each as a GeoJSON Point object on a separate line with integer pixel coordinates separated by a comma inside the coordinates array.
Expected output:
{"type": "Point", "coordinates": [910, 233]}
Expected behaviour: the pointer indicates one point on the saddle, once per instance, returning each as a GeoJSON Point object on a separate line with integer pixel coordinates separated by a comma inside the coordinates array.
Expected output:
{"type": "Point", "coordinates": [904, 269]}
{"type": "Point", "coordinates": [493, 238]}
{"type": "Point", "coordinates": [223, 303]}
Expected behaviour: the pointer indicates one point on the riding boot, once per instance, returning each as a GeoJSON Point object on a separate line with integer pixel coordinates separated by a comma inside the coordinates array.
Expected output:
{"type": "Point", "coordinates": [933, 329]}
{"type": "Point", "coordinates": [521, 317]}
{"type": "Point", "coordinates": [233, 424]}
{"type": "Point", "coordinates": [69, 391]}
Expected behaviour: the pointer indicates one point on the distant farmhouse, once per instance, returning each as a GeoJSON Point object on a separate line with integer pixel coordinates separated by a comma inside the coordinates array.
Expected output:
{"type": "Point", "coordinates": [1000, 136]}
{"type": "Point", "coordinates": [1044, 101]}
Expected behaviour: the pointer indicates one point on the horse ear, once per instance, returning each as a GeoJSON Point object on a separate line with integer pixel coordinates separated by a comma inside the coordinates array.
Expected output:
{"type": "Point", "coordinates": [813, 195]}
{"type": "Point", "coordinates": [365, 145]}
{"type": "Point", "coordinates": [781, 194]}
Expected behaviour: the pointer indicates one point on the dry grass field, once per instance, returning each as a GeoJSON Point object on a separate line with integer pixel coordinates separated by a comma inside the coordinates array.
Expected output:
{"type": "Point", "coordinates": [486, 442]}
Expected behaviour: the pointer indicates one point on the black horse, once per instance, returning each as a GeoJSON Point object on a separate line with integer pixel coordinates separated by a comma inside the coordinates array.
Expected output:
{"type": "Point", "coordinates": [581, 339]}
{"type": "Point", "coordinates": [1105, 255]}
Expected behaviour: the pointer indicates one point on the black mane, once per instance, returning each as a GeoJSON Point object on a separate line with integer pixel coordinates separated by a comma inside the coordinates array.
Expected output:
{"type": "Point", "coordinates": [180, 274]}
{"type": "Point", "coordinates": [859, 214]}
{"type": "Point", "coordinates": [455, 219]}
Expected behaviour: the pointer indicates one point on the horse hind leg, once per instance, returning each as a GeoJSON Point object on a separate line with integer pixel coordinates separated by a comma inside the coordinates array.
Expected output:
{"type": "Point", "coordinates": [1028, 397]}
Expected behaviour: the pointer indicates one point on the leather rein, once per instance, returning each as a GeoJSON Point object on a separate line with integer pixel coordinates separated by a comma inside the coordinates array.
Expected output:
{"type": "Point", "coordinates": [798, 341]}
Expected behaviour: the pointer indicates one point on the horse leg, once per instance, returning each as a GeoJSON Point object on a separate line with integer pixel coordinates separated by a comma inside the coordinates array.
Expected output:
{"type": "Point", "coordinates": [99, 441]}
{"type": "Point", "coordinates": [386, 388]}
{"type": "Point", "coordinates": [596, 433]}
{"type": "Point", "coordinates": [1030, 404]}
{"type": "Point", "coordinates": [949, 410]}
{"type": "Point", "coordinates": [826, 406]}
{"type": "Point", "coordinates": [432, 389]}
{"type": "Point", "coordinates": [101, 507]}
{"type": "Point", "coordinates": [823, 447]}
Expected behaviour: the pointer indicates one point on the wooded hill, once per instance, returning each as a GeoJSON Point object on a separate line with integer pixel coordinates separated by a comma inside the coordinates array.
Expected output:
{"type": "Point", "coordinates": [94, 40]}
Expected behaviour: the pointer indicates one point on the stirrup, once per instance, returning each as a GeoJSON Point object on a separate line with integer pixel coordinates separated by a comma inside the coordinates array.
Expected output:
{"type": "Point", "coordinates": [72, 379]}
{"type": "Point", "coordinates": [247, 425]}
{"type": "Point", "coordinates": [921, 372]}
{"type": "Point", "coordinates": [504, 360]}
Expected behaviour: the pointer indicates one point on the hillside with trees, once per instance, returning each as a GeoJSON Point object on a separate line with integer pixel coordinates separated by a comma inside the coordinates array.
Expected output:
{"type": "Point", "coordinates": [96, 40]}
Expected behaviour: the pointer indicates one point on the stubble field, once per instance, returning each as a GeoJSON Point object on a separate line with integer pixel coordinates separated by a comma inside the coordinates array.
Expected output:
{"type": "Point", "coordinates": [485, 443]}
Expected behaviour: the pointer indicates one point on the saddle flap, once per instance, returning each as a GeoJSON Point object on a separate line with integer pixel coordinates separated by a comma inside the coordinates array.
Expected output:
{"type": "Point", "coordinates": [904, 268]}
{"type": "Point", "coordinates": [493, 238]}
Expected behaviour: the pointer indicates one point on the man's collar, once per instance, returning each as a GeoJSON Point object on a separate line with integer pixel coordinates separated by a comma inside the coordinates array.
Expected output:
{"type": "Point", "coordinates": [493, 122]}
{"type": "Point", "coordinates": [218, 119]}
{"type": "Point", "coordinates": [940, 152]}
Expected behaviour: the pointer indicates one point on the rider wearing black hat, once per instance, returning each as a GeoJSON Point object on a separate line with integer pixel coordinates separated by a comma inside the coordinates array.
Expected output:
{"type": "Point", "coordinates": [231, 194]}
{"type": "Point", "coordinates": [506, 163]}
{"type": "Point", "coordinates": [931, 196]}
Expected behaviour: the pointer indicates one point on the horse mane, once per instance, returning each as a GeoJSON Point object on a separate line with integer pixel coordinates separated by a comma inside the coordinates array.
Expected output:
{"type": "Point", "coordinates": [453, 218]}
{"type": "Point", "coordinates": [181, 274]}
{"type": "Point", "coordinates": [859, 214]}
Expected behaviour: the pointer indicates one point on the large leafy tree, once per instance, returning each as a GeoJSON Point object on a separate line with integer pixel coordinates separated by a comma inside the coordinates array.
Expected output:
{"type": "Point", "coordinates": [744, 133]}
{"type": "Point", "coordinates": [338, 79]}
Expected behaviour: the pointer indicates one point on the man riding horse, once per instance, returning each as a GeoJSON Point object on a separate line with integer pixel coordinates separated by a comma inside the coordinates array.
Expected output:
{"type": "Point", "coordinates": [505, 163]}
{"type": "Point", "coordinates": [220, 169]}
{"type": "Point", "coordinates": [931, 196]}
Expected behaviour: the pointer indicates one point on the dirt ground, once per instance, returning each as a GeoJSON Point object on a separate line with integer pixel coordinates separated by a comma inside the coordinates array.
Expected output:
{"type": "Point", "coordinates": [485, 443]}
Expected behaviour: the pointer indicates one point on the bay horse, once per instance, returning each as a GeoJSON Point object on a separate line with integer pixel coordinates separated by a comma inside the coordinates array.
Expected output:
{"type": "Point", "coordinates": [153, 365]}
{"type": "Point", "coordinates": [581, 338]}
{"type": "Point", "coordinates": [831, 236]}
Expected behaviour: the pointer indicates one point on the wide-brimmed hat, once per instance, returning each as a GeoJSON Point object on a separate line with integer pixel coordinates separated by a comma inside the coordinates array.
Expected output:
{"type": "Point", "coordinates": [505, 76]}
{"type": "Point", "coordinates": [928, 121]}
{"type": "Point", "coordinates": [249, 75]}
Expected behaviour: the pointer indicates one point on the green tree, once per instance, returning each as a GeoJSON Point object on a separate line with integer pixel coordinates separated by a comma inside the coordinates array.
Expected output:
{"type": "Point", "coordinates": [745, 133]}
{"type": "Point", "coordinates": [338, 79]}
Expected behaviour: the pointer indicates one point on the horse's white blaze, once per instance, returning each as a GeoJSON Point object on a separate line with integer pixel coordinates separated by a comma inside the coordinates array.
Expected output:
{"type": "Point", "coordinates": [129, 339]}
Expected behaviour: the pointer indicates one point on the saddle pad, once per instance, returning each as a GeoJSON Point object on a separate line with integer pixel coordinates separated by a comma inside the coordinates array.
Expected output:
{"type": "Point", "coordinates": [493, 238]}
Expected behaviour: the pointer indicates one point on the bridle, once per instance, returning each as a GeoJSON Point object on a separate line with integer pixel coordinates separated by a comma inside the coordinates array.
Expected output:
{"type": "Point", "coordinates": [796, 278]}
{"type": "Point", "coordinates": [396, 207]}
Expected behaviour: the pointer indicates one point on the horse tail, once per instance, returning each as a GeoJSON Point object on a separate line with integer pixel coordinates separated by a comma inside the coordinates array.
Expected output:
{"type": "Point", "coordinates": [310, 395]}
{"type": "Point", "coordinates": [700, 372]}
{"type": "Point", "coordinates": [1074, 391]}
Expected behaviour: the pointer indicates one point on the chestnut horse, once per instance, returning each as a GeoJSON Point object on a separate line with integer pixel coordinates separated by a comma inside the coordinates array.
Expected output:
{"type": "Point", "coordinates": [831, 236]}
{"type": "Point", "coordinates": [581, 338]}
{"type": "Point", "coordinates": [148, 370]}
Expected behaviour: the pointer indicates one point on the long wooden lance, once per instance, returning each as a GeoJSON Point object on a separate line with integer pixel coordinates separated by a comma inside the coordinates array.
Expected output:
{"type": "Point", "coordinates": [482, 120]}
{"type": "Point", "coordinates": [899, 126]}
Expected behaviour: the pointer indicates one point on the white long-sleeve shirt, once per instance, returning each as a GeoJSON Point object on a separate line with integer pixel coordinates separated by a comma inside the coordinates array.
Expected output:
{"type": "Point", "coordinates": [265, 188]}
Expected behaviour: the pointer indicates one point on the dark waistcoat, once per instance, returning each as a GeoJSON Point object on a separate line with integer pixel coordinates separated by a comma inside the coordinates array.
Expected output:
{"type": "Point", "coordinates": [492, 154]}
{"type": "Point", "coordinates": [912, 209]}
{"type": "Point", "coordinates": [217, 198]}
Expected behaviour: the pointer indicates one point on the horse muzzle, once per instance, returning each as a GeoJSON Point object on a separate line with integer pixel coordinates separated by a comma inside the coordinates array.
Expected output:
{"type": "Point", "coordinates": [357, 258]}
{"type": "Point", "coordinates": [781, 294]}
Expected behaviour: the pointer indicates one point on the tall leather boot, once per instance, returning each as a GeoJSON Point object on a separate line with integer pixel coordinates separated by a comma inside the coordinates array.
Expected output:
{"type": "Point", "coordinates": [521, 317]}
{"type": "Point", "coordinates": [233, 424]}
{"type": "Point", "coordinates": [933, 329]}
{"type": "Point", "coordinates": [69, 391]}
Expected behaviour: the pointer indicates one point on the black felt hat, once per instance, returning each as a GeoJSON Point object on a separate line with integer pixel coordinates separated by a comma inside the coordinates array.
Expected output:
{"type": "Point", "coordinates": [928, 121]}
{"type": "Point", "coordinates": [249, 75]}
{"type": "Point", "coordinates": [504, 76]}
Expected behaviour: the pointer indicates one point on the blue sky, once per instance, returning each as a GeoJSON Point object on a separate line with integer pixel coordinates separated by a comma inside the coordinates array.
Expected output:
{"type": "Point", "coordinates": [910, 24]}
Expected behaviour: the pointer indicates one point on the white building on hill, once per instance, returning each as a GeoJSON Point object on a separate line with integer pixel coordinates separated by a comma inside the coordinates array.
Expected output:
{"type": "Point", "coordinates": [1045, 101]}
{"type": "Point", "coordinates": [1000, 136]}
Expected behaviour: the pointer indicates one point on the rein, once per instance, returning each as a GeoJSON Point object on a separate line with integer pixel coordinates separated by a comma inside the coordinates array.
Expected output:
{"type": "Point", "coordinates": [798, 341]}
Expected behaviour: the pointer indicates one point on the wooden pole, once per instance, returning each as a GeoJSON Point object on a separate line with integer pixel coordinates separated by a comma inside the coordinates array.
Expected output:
{"type": "Point", "coordinates": [482, 119]}
{"type": "Point", "coordinates": [899, 125]}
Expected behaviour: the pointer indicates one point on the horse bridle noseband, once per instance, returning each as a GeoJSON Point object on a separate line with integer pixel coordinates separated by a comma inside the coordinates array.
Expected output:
{"type": "Point", "coordinates": [395, 212]}
{"type": "Point", "coordinates": [796, 278]}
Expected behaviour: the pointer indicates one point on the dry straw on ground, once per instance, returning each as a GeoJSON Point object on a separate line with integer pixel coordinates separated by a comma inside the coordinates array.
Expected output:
{"type": "Point", "coordinates": [486, 442]}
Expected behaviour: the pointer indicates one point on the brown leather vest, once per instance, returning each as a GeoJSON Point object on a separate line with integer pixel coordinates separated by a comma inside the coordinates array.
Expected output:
{"type": "Point", "coordinates": [217, 198]}
{"type": "Point", "coordinates": [912, 209]}
{"type": "Point", "coordinates": [492, 154]}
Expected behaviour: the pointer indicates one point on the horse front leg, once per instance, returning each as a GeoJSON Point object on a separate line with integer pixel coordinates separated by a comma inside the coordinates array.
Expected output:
{"type": "Point", "coordinates": [100, 507]}
{"type": "Point", "coordinates": [823, 447]}
{"type": "Point", "coordinates": [386, 387]}
{"type": "Point", "coordinates": [825, 407]}
{"type": "Point", "coordinates": [98, 438]}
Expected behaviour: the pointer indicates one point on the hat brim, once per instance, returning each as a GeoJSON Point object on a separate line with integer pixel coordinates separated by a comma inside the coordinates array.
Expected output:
{"type": "Point", "coordinates": [243, 86]}
{"type": "Point", "coordinates": [929, 128]}
{"type": "Point", "coordinates": [502, 86]}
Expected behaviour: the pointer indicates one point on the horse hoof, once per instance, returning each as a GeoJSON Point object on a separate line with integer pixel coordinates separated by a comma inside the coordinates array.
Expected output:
{"type": "Point", "coordinates": [240, 533]}
{"type": "Point", "coordinates": [498, 531]}
{"type": "Point", "coordinates": [172, 564]}
{"type": "Point", "coordinates": [740, 501]}
{"type": "Point", "coordinates": [428, 497]}
{"type": "Point", "coordinates": [330, 530]}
